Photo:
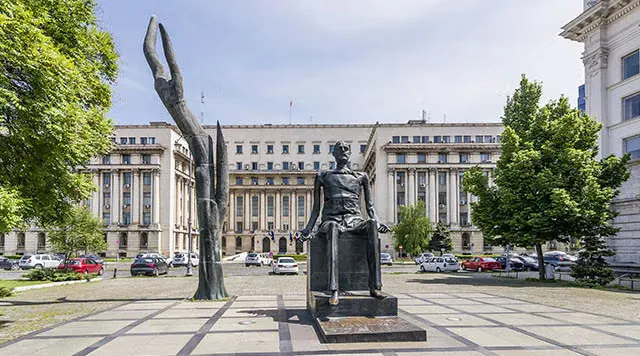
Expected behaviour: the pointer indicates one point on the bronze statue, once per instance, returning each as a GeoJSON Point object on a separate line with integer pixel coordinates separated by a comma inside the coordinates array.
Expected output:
{"type": "Point", "coordinates": [212, 185]}
{"type": "Point", "coordinates": [341, 188]}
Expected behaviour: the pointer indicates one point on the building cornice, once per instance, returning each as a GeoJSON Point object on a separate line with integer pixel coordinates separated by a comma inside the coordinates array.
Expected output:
{"type": "Point", "coordinates": [602, 13]}
{"type": "Point", "coordinates": [440, 147]}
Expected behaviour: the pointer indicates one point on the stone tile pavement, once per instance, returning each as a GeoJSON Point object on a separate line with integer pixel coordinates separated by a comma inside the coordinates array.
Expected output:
{"type": "Point", "coordinates": [457, 323]}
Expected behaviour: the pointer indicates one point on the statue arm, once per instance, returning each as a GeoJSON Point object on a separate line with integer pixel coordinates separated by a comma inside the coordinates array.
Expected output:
{"type": "Point", "coordinates": [315, 212]}
{"type": "Point", "coordinates": [368, 201]}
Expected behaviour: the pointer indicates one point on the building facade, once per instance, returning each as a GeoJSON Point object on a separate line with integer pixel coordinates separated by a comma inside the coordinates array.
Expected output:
{"type": "Point", "coordinates": [144, 184]}
{"type": "Point", "coordinates": [610, 31]}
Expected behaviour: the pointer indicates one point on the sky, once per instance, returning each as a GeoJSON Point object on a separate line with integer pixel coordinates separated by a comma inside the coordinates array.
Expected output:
{"type": "Point", "coordinates": [355, 61]}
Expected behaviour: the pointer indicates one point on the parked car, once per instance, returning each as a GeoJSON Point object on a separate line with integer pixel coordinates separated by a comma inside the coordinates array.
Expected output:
{"type": "Point", "coordinates": [83, 265]}
{"type": "Point", "coordinates": [450, 255]}
{"type": "Point", "coordinates": [168, 260]}
{"type": "Point", "coordinates": [93, 257]}
{"type": "Point", "coordinates": [439, 264]}
{"type": "Point", "coordinates": [515, 264]}
{"type": "Point", "coordinates": [559, 260]}
{"type": "Point", "coordinates": [39, 261]}
{"type": "Point", "coordinates": [530, 263]}
{"type": "Point", "coordinates": [480, 264]}
{"type": "Point", "coordinates": [266, 259]}
{"type": "Point", "coordinates": [253, 259]}
{"type": "Point", "coordinates": [386, 259]}
{"type": "Point", "coordinates": [285, 265]}
{"type": "Point", "coordinates": [149, 265]}
{"type": "Point", "coordinates": [8, 264]}
{"type": "Point", "coordinates": [181, 258]}
{"type": "Point", "coordinates": [423, 257]}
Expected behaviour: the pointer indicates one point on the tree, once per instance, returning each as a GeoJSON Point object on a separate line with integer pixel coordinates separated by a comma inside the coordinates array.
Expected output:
{"type": "Point", "coordinates": [440, 240]}
{"type": "Point", "coordinates": [591, 267]}
{"type": "Point", "coordinates": [80, 231]}
{"type": "Point", "coordinates": [413, 230]}
{"type": "Point", "coordinates": [548, 183]}
{"type": "Point", "coordinates": [55, 70]}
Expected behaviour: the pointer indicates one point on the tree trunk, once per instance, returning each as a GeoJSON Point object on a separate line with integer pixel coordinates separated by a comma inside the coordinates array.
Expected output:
{"type": "Point", "coordinates": [540, 261]}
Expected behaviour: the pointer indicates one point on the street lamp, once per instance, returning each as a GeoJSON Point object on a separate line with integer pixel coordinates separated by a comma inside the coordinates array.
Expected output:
{"type": "Point", "coordinates": [189, 269]}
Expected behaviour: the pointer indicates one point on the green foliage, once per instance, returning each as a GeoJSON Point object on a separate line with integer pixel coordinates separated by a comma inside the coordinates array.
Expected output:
{"type": "Point", "coordinates": [413, 230]}
{"type": "Point", "coordinates": [80, 230]}
{"type": "Point", "coordinates": [52, 275]}
{"type": "Point", "coordinates": [55, 69]}
{"type": "Point", "coordinates": [298, 258]}
{"type": "Point", "coordinates": [440, 239]}
{"type": "Point", "coordinates": [5, 292]}
{"type": "Point", "coordinates": [548, 183]}
{"type": "Point", "coordinates": [592, 267]}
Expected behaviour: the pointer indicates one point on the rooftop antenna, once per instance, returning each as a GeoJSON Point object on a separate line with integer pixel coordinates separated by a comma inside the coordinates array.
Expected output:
{"type": "Point", "coordinates": [290, 107]}
{"type": "Point", "coordinates": [424, 116]}
{"type": "Point", "coordinates": [444, 118]}
{"type": "Point", "coordinates": [428, 117]}
{"type": "Point", "coordinates": [202, 107]}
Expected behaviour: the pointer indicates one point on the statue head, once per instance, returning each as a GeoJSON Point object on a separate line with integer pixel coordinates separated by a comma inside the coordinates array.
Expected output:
{"type": "Point", "coordinates": [341, 152]}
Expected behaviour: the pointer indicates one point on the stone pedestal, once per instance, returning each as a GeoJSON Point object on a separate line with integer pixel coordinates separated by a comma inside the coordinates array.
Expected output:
{"type": "Point", "coordinates": [358, 317]}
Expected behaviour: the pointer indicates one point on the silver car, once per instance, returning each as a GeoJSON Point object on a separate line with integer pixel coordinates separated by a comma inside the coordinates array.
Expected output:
{"type": "Point", "coordinates": [386, 259]}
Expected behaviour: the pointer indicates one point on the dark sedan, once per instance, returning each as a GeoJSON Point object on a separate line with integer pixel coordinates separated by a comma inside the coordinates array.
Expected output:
{"type": "Point", "coordinates": [530, 263]}
{"type": "Point", "coordinates": [149, 265]}
{"type": "Point", "coordinates": [8, 264]}
{"type": "Point", "coordinates": [515, 264]}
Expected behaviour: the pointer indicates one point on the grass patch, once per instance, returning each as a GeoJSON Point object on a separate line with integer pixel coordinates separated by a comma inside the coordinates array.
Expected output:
{"type": "Point", "coordinates": [10, 284]}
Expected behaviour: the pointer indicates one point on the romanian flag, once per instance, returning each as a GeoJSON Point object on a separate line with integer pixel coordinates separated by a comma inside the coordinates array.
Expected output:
{"type": "Point", "coordinates": [273, 236]}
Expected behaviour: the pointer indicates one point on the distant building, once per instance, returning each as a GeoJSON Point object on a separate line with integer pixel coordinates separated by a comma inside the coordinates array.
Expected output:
{"type": "Point", "coordinates": [582, 103]}
{"type": "Point", "coordinates": [611, 33]}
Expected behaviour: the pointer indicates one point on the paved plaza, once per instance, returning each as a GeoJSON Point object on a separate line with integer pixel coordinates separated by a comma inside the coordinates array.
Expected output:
{"type": "Point", "coordinates": [457, 323]}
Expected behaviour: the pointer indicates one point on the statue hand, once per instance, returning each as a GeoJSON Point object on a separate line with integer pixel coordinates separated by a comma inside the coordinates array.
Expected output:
{"type": "Point", "coordinates": [382, 228]}
{"type": "Point", "coordinates": [305, 234]}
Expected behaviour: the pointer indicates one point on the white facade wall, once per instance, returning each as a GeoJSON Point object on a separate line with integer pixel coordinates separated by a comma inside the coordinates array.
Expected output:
{"type": "Point", "coordinates": [610, 31]}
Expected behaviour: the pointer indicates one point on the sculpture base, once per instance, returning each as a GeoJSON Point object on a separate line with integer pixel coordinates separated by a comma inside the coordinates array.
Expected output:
{"type": "Point", "coordinates": [363, 329]}
{"type": "Point", "coordinates": [357, 303]}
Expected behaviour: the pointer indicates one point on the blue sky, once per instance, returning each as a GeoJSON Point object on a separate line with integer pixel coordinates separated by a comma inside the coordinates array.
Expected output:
{"type": "Point", "coordinates": [356, 61]}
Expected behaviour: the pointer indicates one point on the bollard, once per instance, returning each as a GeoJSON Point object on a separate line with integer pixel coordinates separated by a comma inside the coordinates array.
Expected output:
{"type": "Point", "coordinates": [115, 271]}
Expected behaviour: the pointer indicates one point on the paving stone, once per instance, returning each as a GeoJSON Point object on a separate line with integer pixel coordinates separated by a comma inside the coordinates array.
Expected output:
{"type": "Point", "coordinates": [255, 298]}
{"type": "Point", "coordinates": [545, 352]}
{"type": "Point", "coordinates": [443, 353]}
{"type": "Point", "coordinates": [238, 324]}
{"type": "Point", "coordinates": [144, 306]}
{"type": "Point", "coordinates": [143, 345]}
{"type": "Point", "coordinates": [255, 304]}
{"type": "Point", "coordinates": [473, 295]}
{"type": "Point", "coordinates": [483, 309]}
{"type": "Point", "coordinates": [575, 335]}
{"type": "Point", "coordinates": [522, 319]}
{"type": "Point", "coordinates": [500, 301]}
{"type": "Point", "coordinates": [431, 295]}
{"type": "Point", "coordinates": [120, 315]}
{"type": "Point", "coordinates": [238, 342]}
{"type": "Point", "coordinates": [427, 309]}
{"type": "Point", "coordinates": [48, 347]}
{"type": "Point", "coordinates": [615, 351]}
{"type": "Point", "coordinates": [250, 312]}
{"type": "Point", "coordinates": [168, 325]}
{"type": "Point", "coordinates": [497, 337]}
{"type": "Point", "coordinates": [186, 313]}
{"type": "Point", "coordinates": [458, 301]}
{"type": "Point", "coordinates": [581, 318]}
{"type": "Point", "coordinates": [199, 305]}
{"type": "Point", "coordinates": [455, 319]}
{"type": "Point", "coordinates": [82, 328]}
{"type": "Point", "coordinates": [412, 301]}
{"type": "Point", "coordinates": [535, 308]}
{"type": "Point", "coordinates": [624, 330]}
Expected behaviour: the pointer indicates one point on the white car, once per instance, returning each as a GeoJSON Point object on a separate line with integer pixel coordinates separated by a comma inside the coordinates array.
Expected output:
{"type": "Point", "coordinates": [253, 259]}
{"type": "Point", "coordinates": [156, 255]}
{"type": "Point", "coordinates": [440, 264]}
{"type": "Point", "coordinates": [39, 261]}
{"type": "Point", "coordinates": [285, 265]}
{"type": "Point", "coordinates": [423, 257]}
{"type": "Point", "coordinates": [180, 259]}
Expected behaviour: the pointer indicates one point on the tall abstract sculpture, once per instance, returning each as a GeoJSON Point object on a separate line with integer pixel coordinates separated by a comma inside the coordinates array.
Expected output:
{"type": "Point", "coordinates": [212, 183]}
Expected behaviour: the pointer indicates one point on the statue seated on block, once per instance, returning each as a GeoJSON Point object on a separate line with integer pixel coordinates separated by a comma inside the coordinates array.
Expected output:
{"type": "Point", "coordinates": [342, 217]}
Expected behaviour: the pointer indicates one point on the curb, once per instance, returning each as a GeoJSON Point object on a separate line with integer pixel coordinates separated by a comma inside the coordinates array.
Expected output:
{"type": "Point", "coordinates": [54, 284]}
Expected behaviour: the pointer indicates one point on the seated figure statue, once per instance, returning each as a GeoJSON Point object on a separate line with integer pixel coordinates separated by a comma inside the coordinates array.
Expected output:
{"type": "Point", "coordinates": [341, 213]}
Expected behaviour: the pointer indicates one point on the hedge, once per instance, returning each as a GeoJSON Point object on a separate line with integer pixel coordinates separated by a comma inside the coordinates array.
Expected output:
{"type": "Point", "coordinates": [299, 258]}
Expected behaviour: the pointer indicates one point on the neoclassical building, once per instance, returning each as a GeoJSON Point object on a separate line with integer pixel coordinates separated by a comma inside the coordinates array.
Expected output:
{"type": "Point", "coordinates": [143, 185]}
{"type": "Point", "coordinates": [610, 31]}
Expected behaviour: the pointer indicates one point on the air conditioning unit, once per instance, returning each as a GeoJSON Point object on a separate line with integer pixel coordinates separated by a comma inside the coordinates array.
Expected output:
{"type": "Point", "coordinates": [422, 185]}
{"type": "Point", "coordinates": [107, 185]}
{"type": "Point", "coordinates": [127, 185]}
{"type": "Point", "coordinates": [147, 206]}
{"type": "Point", "coordinates": [246, 166]}
{"type": "Point", "coordinates": [107, 206]}
{"type": "Point", "coordinates": [402, 184]}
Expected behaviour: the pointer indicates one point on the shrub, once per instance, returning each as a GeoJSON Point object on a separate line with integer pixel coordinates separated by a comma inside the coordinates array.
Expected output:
{"type": "Point", "coordinates": [5, 292]}
{"type": "Point", "coordinates": [298, 258]}
{"type": "Point", "coordinates": [52, 275]}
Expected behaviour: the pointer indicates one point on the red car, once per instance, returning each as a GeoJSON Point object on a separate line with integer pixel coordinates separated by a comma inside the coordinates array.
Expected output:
{"type": "Point", "coordinates": [83, 265]}
{"type": "Point", "coordinates": [481, 264]}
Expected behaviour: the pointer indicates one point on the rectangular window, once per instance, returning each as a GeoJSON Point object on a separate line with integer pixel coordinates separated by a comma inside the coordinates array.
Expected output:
{"type": "Point", "coordinates": [446, 139]}
{"type": "Point", "coordinates": [123, 140]}
{"type": "Point", "coordinates": [106, 217]}
{"type": "Point", "coordinates": [300, 180]}
{"type": "Point", "coordinates": [363, 148]}
{"type": "Point", "coordinates": [239, 166]}
{"type": "Point", "coordinates": [126, 178]}
{"type": "Point", "coordinates": [464, 158]}
{"type": "Point", "coordinates": [631, 106]}
{"type": "Point", "coordinates": [442, 179]}
{"type": "Point", "coordinates": [437, 139]}
{"type": "Point", "coordinates": [126, 218]}
{"type": "Point", "coordinates": [255, 205]}
{"type": "Point", "coordinates": [332, 165]}
{"type": "Point", "coordinates": [479, 139]}
{"type": "Point", "coordinates": [400, 179]}
{"type": "Point", "coordinates": [300, 148]}
{"type": "Point", "coordinates": [239, 149]}
{"type": "Point", "coordinates": [152, 140]}
{"type": "Point", "coordinates": [106, 178]}
{"type": "Point", "coordinates": [269, 149]}
{"type": "Point", "coordinates": [316, 166]}
{"type": "Point", "coordinates": [269, 166]}
{"type": "Point", "coordinates": [126, 159]}
{"type": "Point", "coordinates": [254, 180]}
{"type": "Point", "coordinates": [269, 181]}
{"type": "Point", "coordinates": [239, 181]}
{"type": "Point", "coordinates": [270, 205]}
{"type": "Point", "coordinates": [254, 226]}
{"type": "Point", "coordinates": [126, 198]}
{"type": "Point", "coordinates": [422, 179]}
{"type": "Point", "coordinates": [300, 206]}
{"type": "Point", "coordinates": [331, 148]}
{"type": "Point", "coordinates": [146, 199]}
{"type": "Point", "coordinates": [270, 225]}
{"type": "Point", "coordinates": [254, 149]}
{"type": "Point", "coordinates": [106, 197]}
{"type": "Point", "coordinates": [238, 227]}
{"type": "Point", "coordinates": [143, 140]}
{"type": "Point", "coordinates": [285, 227]}
{"type": "Point", "coordinates": [254, 166]}
{"type": "Point", "coordinates": [146, 178]}
{"type": "Point", "coordinates": [106, 159]}
{"type": "Point", "coordinates": [404, 139]}
{"type": "Point", "coordinates": [457, 139]}
{"type": "Point", "coordinates": [630, 65]}
{"type": "Point", "coordinates": [285, 180]}
{"type": "Point", "coordinates": [484, 156]}
{"type": "Point", "coordinates": [425, 139]}
{"type": "Point", "coordinates": [285, 166]}
{"type": "Point", "coordinates": [285, 206]}
{"type": "Point", "coordinates": [416, 139]}
{"type": "Point", "coordinates": [498, 137]}
{"type": "Point", "coordinates": [132, 140]}
{"type": "Point", "coordinates": [442, 158]}
{"type": "Point", "coordinates": [395, 139]}
{"type": "Point", "coordinates": [632, 147]}
{"type": "Point", "coordinates": [301, 165]}
{"type": "Point", "coordinates": [239, 206]}
{"type": "Point", "coordinates": [316, 149]}
{"type": "Point", "coordinates": [466, 139]}
{"type": "Point", "coordinates": [488, 139]}
{"type": "Point", "coordinates": [285, 149]}
{"type": "Point", "coordinates": [401, 158]}
{"type": "Point", "coordinates": [422, 158]}
{"type": "Point", "coordinates": [146, 218]}
{"type": "Point", "coordinates": [146, 159]}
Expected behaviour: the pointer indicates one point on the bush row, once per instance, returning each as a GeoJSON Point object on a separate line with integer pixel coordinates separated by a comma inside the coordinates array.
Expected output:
{"type": "Point", "coordinates": [52, 275]}
{"type": "Point", "coordinates": [299, 258]}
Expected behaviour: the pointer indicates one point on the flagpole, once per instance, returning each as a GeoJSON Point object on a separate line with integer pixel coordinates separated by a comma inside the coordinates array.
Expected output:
{"type": "Point", "coordinates": [290, 106]}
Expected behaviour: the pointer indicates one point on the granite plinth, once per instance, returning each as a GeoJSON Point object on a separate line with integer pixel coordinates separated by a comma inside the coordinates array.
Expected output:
{"type": "Point", "coordinates": [363, 329]}
{"type": "Point", "coordinates": [353, 273]}
{"type": "Point", "coordinates": [358, 303]}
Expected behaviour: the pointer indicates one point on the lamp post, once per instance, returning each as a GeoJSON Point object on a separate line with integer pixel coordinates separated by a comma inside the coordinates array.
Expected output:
{"type": "Point", "coordinates": [189, 269]}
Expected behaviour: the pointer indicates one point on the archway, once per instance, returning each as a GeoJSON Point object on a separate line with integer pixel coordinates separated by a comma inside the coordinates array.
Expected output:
{"type": "Point", "coordinates": [466, 241]}
{"type": "Point", "coordinates": [144, 240]}
{"type": "Point", "coordinates": [266, 245]}
{"type": "Point", "coordinates": [21, 240]}
{"type": "Point", "coordinates": [238, 243]}
{"type": "Point", "coordinates": [282, 245]}
{"type": "Point", "coordinates": [42, 241]}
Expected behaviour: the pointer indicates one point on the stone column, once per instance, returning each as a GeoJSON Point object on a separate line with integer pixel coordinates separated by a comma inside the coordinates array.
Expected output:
{"type": "Point", "coordinates": [309, 206]}
{"type": "Point", "coordinates": [433, 195]}
{"type": "Point", "coordinates": [294, 210]}
{"type": "Point", "coordinates": [453, 196]}
{"type": "Point", "coordinates": [262, 211]}
{"type": "Point", "coordinates": [278, 211]}
{"type": "Point", "coordinates": [135, 199]}
{"type": "Point", "coordinates": [412, 186]}
{"type": "Point", "coordinates": [116, 188]}
{"type": "Point", "coordinates": [156, 197]}
{"type": "Point", "coordinates": [596, 83]}
{"type": "Point", "coordinates": [95, 196]}
{"type": "Point", "coordinates": [232, 211]}
{"type": "Point", "coordinates": [247, 211]}
{"type": "Point", "coordinates": [391, 218]}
